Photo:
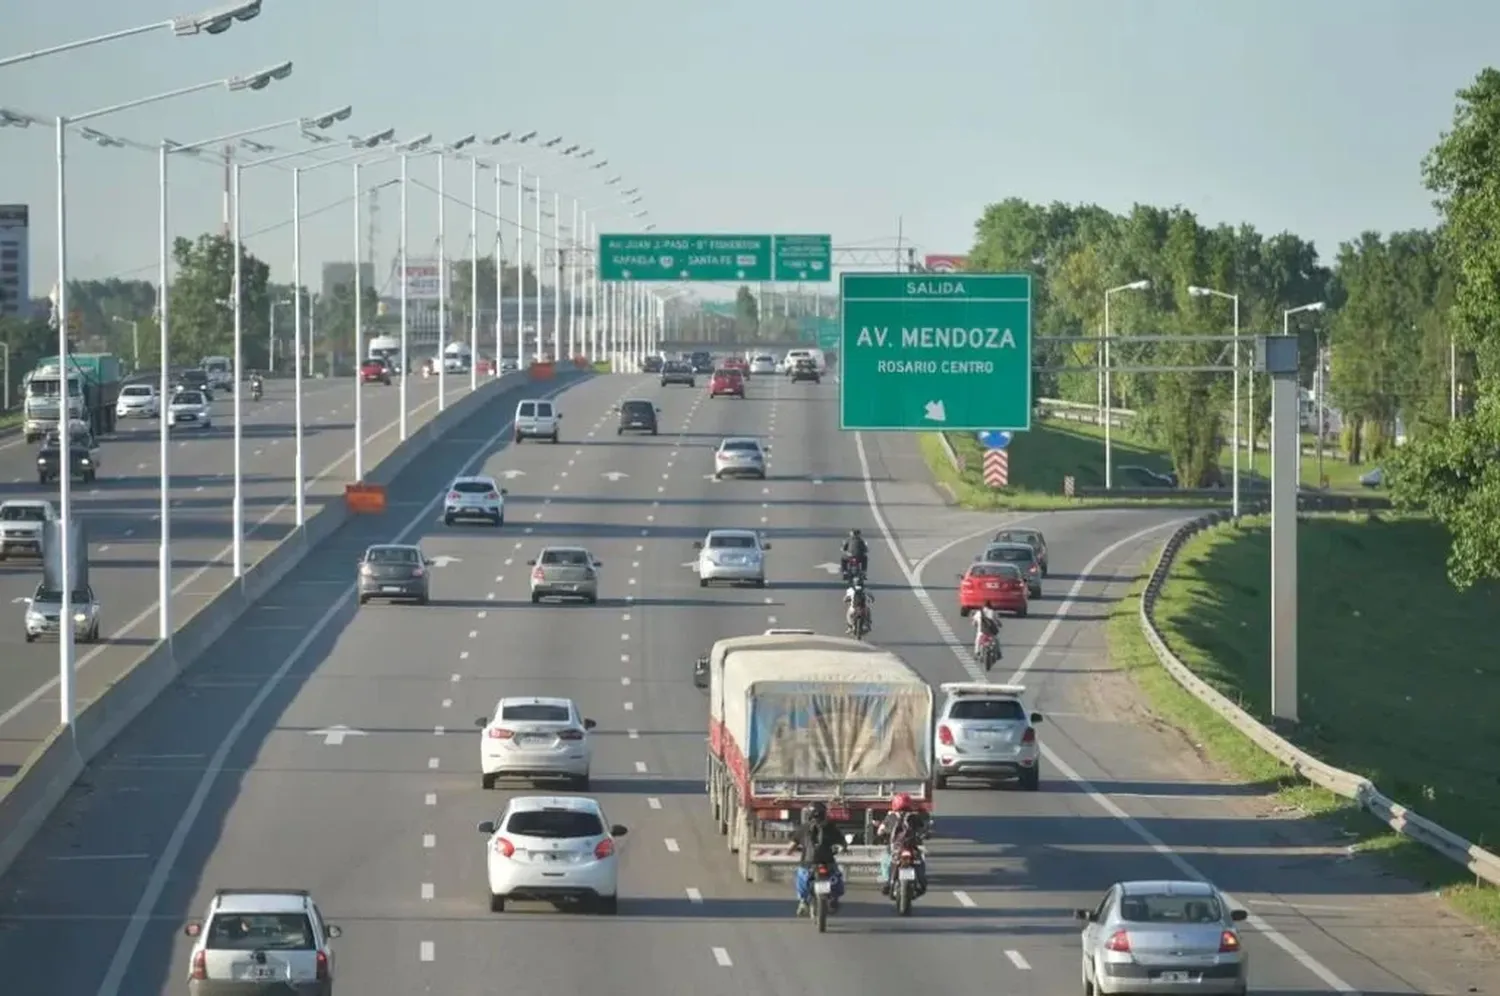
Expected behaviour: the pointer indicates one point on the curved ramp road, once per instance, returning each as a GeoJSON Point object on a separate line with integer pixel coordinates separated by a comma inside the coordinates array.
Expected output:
{"type": "Point", "coordinates": [232, 778]}
{"type": "Point", "coordinates": [121, 512]}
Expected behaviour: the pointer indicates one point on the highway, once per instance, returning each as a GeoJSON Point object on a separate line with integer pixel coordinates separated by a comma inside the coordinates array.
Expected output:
{"type": "Point", "coordinates": [121, 509]}
{"type": "Point", "coordinates": [230, 778]}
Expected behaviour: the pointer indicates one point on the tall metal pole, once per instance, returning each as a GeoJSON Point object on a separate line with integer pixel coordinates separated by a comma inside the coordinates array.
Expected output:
{"type": "Point", "coordinates": [473, 274]}
{"type": "Point", "coordinates": [238, 290]}
{"type": "Point", "coordinates": [557, 287]}
{"type": "Point", "coordinates": [442, 354]}
{"type": "Point", "coordinates": [1235, 445]}
{"type": "Point", "coordinates": [520, 268]}
{"type": "Point", "coordinates": [405, 275]}
{"type": "Point", "coordinates": [540, 329]}
{"type": "Point", "coordinates": [1452, 378]}
{"type": "Point", "coordinates": [499, 276]}
{"type": "Point", "coordinates": [164, 487]}
{"type": "Point", "coordinates": [64, 446]}
{"type": "Point", "coordinates": [574, 348]}
{"type": "Point", "coordinates": [359, 381]}
{"type": "Point", "coordinates": [1109, 417]}
{"type": "Point", "coordinates": [299, 484]}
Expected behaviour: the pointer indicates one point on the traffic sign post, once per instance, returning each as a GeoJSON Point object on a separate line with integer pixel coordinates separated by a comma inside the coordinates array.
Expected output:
{"type": "Point", "coordinates": [716, 258]}
{"type": "Point", "coordinates": [993, 439]}
{"type": "Point", "coordinates": [923, 352]}
{"type": "Point", "coordinates": [996, 468]}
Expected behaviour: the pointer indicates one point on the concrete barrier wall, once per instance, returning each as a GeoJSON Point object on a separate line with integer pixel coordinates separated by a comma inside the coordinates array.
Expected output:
{"type": "Point", "coordinates": [48, 774]}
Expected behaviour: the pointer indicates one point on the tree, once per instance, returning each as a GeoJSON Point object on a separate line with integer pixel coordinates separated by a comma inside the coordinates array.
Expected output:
{"type": "Point", "coordinates": [746, 315]}
{"type": "Point", "coordinates": [510, 287]}
{"type": "Point", "coordinates": [334, 322]}
{"type": "Point", "coordinates": [202, 315]}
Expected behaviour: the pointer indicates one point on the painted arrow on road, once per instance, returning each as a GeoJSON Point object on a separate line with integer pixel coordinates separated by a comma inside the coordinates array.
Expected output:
{"type": "Point", "coordinates": [614, 475]}
{"type": "Point", "coordinates": [831, 568]}
{"type": "Point", "coordinates": [444, 560]}
{"type": "Point", "coordinates": [334, 735]}
{"type": "Point", "coordinates": [512, 474]}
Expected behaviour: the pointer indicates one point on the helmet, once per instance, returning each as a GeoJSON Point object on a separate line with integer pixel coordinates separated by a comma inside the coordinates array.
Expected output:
{"type": "Point", "coordinates": [900, 802]}
{"type": "Point", "coordinates": [815, 813]}
{"type": "Point", "coordinates": [854, 532]}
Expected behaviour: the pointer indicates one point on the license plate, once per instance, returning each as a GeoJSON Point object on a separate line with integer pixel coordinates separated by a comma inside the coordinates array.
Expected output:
{"type": "Point", "coordinates": [260, 972]}
{"type": "Point", "coordinates": [1173, 976]}
{"type": "Point", "coordinates": [838, 814]}
{"type": "Point", "coordinates": [391, 587]}
{"type": "Point", "coordinates": [823, 888]}
{"type": "Point", "coordinates": [908, 874]}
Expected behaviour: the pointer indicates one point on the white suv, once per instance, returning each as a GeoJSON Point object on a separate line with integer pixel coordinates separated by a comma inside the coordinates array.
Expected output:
{"type": "Point", "coordinates": [261, 940]}
{"type": "Point", "coordinates": [984, 732]}
{"type": "Point", "coordinates": [536, 419]}
{"type": "Point", "coordinates": [475, 497]}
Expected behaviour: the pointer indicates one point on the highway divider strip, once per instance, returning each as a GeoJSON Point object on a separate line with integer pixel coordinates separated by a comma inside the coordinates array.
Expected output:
{"type": "Point", "coordinates": [1358, 789]}
{"type": "Point", "coordinates": [44, 780]}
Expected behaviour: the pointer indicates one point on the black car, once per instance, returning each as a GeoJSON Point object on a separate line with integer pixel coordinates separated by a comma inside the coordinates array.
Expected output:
{"type": "Point", "coordinates": [49, 462]}
{"type": "Point", "coordinates": [806, 369]}
{"type": "Point", "coordinates": [678, 372]}
{"type": "Point", "coordinates": [703, 362]}
{"type": "Point", "coordinates": [651, 365]}
{"type": "Point", "coordinates": [195, 380]}
{"type": "Point", "coordinates": [637, 416]}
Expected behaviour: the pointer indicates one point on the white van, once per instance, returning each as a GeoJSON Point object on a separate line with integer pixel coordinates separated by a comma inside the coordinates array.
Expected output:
{"type": "Point", "coordinates": [536, 419]}
{"type": "Point", "coordinates": [220, 372]}
{"type": "Point", "coordinates": [386, 348]}
{"type": "Point", "coordinates": [456, 358]}
{"type": "Point", "coordinates": [793, 355]}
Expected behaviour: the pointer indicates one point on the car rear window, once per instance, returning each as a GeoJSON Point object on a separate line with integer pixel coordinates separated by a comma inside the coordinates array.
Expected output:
{"type": "Point", "coordinates": [726, 372]}
{"type": "Point", "coordinates": [995, 571]}
{"type": "Point", "coordinates": [194, 376]}
{"type": "Point", "coordinates": [742, 444]}
{"type": "Point", "coordinates": [992, 710]}
{"type": "Point", "coordinates": [1170, 909]}
{"type": "Point", "coordinates": [555, 823]}
{"type": "Point", "coordinates": [536, 712]}
{"type": "Point", "coordinates": [23, 513]}
{"type": "Point", "coordinates": [1010, 554]}
{"type": "Point", "coordinates": [138, 390]}
{"type": "Point", "coordinates": [189, 398]}
{"type": "Point", "coordinates": [566, 558]}
{"type": "Point", "coordinates": [528, 408]}
{"type": "Point", "coordinates": [1030, 539]}
{"type": "Point", "coordinates": [731, 542]}
{"type": "Point", "coordinates": [543, 409]}
{"type": "Point", "coordinates": [472, 487]}
{"type": "Point", "coordinates": [392, 555]}
{"type": "Point", "coordinates": [259, 931]}
{"type": "Point", "coordinates": [637, 408]}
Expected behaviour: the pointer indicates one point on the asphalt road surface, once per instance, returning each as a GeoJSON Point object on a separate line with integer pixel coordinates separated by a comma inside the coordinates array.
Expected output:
{"type": "Point", "coordinates": [229, 780]}
{"type": "Point", "coordinates": [121, 511]}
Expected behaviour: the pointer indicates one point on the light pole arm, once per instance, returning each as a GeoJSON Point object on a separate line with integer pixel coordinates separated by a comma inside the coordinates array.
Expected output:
{"type": "Point", "coordinates": [71, 46]}
{"type": "Point", "coordinates": [142, 101]}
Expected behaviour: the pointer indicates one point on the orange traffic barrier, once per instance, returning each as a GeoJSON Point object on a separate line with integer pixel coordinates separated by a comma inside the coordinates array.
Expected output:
{"type": "Point", "coordinates": [583, 363]}
{"type": "Point", "coordinates": [543, 371]}
{"type": "Point", "coordinates": [365, 499]}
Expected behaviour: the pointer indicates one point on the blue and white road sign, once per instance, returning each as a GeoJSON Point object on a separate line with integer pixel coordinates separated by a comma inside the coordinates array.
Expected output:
{"type": "Point", "coordinates": [994, 439]}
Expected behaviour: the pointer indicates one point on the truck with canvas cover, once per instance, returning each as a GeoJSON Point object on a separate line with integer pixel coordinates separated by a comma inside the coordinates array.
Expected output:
{"type": "Point", "coordinates": [93, 387]}
{"type": "Point", "coordinates": [796, 718]}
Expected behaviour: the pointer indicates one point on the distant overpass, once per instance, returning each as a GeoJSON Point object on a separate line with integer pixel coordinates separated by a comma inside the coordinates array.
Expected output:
{"type": "Point", "coordinates": [770, 346]}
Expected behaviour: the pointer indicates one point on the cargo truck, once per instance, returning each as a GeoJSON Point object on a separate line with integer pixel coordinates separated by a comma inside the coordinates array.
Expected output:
{"type": "Point", "coordinates": [93, 387]}
{"type": "Point", "coordinates": [798, 717]}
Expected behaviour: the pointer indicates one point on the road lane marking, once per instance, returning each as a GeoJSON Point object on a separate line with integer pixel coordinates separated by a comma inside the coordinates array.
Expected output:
{"type": "Point", "coordinates": [426, 951]}
{"type": "Point", "coordinates": [722, 957]}
{"type": "Point", "coordinates": [672, 845]}
{"type": "Point", "coordinates": [1018, 961]}
{"type": "Point", "coordinates": [964, 899]}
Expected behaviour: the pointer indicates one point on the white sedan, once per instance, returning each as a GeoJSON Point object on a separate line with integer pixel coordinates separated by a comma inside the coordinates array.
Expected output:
{"type": "Point", "coordinates": [557, 849]}
{"type": "Point", "coordinates": [733, 555]}
{"type": "Point", "coordinates": [137, 401]}
{"type": "Point", "coordinates": [763, 364]}
{"type": "Point", "coordinates": [535, 738]}
{"type": "Point", "coordinates": [190, 408]}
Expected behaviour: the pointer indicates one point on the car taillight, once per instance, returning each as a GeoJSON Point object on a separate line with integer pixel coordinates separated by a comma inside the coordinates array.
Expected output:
{"type": "Point", "coordinates": [1029, 737]}
{"type": "Point", "coordinates": [322, 966]}
{"type": "Point", "coordinates": [1118, 941]}
{"type": "Point", "coordinates": [907, 857]}
{"type": "Point", "coordinates": [1229, 942]}
{"type": "Point", "coordinates": [538, 574]}
{"type": "Point", "coordinates": [1032, 569]}
{"type": "Point", "coordinates": [570, 735]}
{"type": "Point", "coordinates": [604, 848]}
{"type": "Point", "coordinates": [454, 496]}
{"type": "Point", "coordinates": [417, 572]}
{"type": "Point", "coordinates": [822, 871]}
{"type": "Point", "coordinates": [365, 569]}
{"type": "Point", "coordinates": [504, 848]}
{"type": "Point", "coordinates": [493, 495]}
{"type": "Point", "coordinates": [945, 736]}
{"type": "Point", "coordinates": [200, 966]}
{"type": "Point", "coordinates": [496, 733]}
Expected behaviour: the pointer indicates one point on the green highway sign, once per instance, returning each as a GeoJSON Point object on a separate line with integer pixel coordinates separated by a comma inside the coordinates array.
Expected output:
{"type": "Point", "coordinates": [935, 352]}
{"type": "Point", "coordinates": [803, 258]}
{"type": "Point", "coordinates": [716, 258]}
{"type": "Point", "coordinates": [823, 332]}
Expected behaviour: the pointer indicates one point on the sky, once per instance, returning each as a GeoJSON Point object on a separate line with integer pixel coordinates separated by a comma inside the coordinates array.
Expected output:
{"type": "Point", "coordinates": [858, 118]}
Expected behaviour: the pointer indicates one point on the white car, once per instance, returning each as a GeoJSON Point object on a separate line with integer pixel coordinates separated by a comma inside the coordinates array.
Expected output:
{"type": "Point", "coordinates": [534, 738]}
{"type": "Point", "coordinates": [23, 525]}
{"type": "Point", "coordinates": [138, 401]}
{"type": "Point", "coordinates": [190, 408]}
{"type": "Point", "coordinates": [261, 940]}
{"type": "Point", "coordinates": [985, 732]}
{"type": "Point", "coordinates": [536, 419]}
{"type": "Point", "coordinates": [557, 849]}
{"type": "Point", "coordinates": [739, 457]}
{"type": "Point", "coordinates": [476, 497]}
{"type": "Point", "coordinates": [737, 556]}
{"type": "Point", "coordinates": [763, 364]}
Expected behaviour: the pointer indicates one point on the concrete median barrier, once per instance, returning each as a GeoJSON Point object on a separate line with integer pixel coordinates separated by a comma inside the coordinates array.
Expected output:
{"type": "Point", "coordinates": [31, 796]}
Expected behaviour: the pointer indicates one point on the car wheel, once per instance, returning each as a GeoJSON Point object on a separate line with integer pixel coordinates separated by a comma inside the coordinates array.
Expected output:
{"type": "Point", "coordinates": [554, 438]}
{"type": "Point", "coordinates": [424, 600]}
{"type": "Point", "coordinates": [363, 599]}
{"type": "Point", "coordinates": [535, 598]}
{"type": "Point", "coordinates": [963, 613]}
{"type": "Point", "coordinates": [760, 582]}
{"type": "Point", "coordinates": [30, 638]}
{"type": "Point", "coordinates": [703, 582]}
{"type": "Point", "coordinates": [497, 904]}
{"type": "Point", "coordinates": [516, 439]}
{"type": "Point", "coordinates": [1023, 613]}
{"type": "Point", "coordinates": [608, 905]}
{"type": "Point", "coordinates": [447, 520]}
{"type": "Point", "coordinates": [487, 782]}
{"type": "Point", "coordinates": [940, 782]}
{"type": "Point", "coordinates": [591, 599]}
{"type": "Point", "coordinates": [581, 783]}
{"type": "Point", "coordinates": [1031, 778]}
{"type": "Point", "coordinates": [41, 478]}
{"type": "Point", "coordinates": [653, 432]}
{"type": "Point", "coordinates": [619, 432]}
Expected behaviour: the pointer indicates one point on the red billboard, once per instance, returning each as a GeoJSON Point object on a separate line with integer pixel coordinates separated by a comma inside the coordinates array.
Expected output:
{"type": "Point", "coordinates": [945, 263]}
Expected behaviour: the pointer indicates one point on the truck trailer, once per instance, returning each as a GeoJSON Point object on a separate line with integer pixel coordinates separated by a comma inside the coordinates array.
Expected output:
{"type": "Point", "coordinates": [796, 718]}
{"type": "Point", "coordinates": [93, 386]}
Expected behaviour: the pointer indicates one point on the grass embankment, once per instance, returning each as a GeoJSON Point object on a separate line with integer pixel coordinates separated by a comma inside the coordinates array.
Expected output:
{"type": "Point", "coordinates": [9, 420]}
{"type": "Point", "coordinates": [1399, 677]}
{"type": "Point", "coordinates": [1055, 449]}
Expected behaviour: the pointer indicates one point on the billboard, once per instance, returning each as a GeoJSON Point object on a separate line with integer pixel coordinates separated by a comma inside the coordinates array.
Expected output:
{"type": "Point", "coordinates": [423, 280]}
{"type": "Point", "coordinates": [944, 263]}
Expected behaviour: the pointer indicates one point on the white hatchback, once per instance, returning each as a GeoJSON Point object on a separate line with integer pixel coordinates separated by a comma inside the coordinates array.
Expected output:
{"type": "Point", "coordinates": [137, 401]}
{"type": "Point", "coordinates": [476, 497]}
{"type": "Point", "coordinates": [763, 364]}
{"type": "Point", "coordinates": [190, 408]}
{"type": "Point", "coordinates": [557, 849]}
{"type": "Point", "coordinates": [534, 738]}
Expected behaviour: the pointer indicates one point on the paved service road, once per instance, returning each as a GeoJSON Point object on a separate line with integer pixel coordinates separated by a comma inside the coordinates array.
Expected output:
{"type": "Point", "coordinates": [121, 514]}
{"type": "Point", "coordinates": [381, 826]}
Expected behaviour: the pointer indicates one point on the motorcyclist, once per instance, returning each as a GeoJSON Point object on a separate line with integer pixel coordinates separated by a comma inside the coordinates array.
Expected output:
{"type": "Point", "coordinates": [257, 385]}
{"type": "Point", "coordinates": [905, 826]}
{"type": "Point", "coordinates": [986, 626]}
{"type": "Point", "coordinates": [856, 600]}
{"type": "Point", "coordinates": [857, 550]}
{"type": "Point", "coordinates": [819, 841]}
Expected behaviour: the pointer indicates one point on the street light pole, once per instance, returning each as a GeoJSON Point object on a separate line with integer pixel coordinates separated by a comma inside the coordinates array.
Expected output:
{"type": "Point", "coordinates": [1109, 418]}
{"type": "Point", "coordinates": [473, 274]}
{"type": "Point", "coordinates": [213, 22]}
{"type": "Point", "coordinates": [359, 335]}
{"type": "Point", "coordinates": [442, 248]}
{"type": "Point", "coordinates": [520, 269]}
{"type": "Point", "coordinates": [537, 197]}
{"type": "Point", "coordinates": [574, 349]}
{"type": "Point", "coordinates": [405, 327]}
{"type": "Point", "coordinates": [499, 275]}
{"type": "Point", "coordinates": [557, 287]}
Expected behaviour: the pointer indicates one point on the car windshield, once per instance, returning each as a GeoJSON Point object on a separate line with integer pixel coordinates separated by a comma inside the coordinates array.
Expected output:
{"type": "Point", "coordinates": [994, 571]}
{"type": "Point", "coordinates": [994, 710]}
{"type": "Point", "coordinates": [23, 513]}
{"type": "Point", "coordinates": [637, 408]}
{"type": "Point", "coordinates": [1010, 554]}
{"type": "Point", "coordinates": [731, 543]}
{"type": "Point", "coordinates": [257, 931]}
{"type": "Point", "coordinates": [188, 398]}
{"type": "Point", "coordinates": [81, 596]}
{"type": "Point", "coordinates": [473, 487]}
{"type": "Point", "coordinates": [676, 366]}
{"type": "Point", "coordinates": [1030, 539]}
{"type": "Point", "coordinates": [566, 558]}
{"type": "Point", "coordinates": [393, 555]}
{"type": "Point", "coordinates": [536, 712]}
{"type": "Point", "coordinates": [194, 376]}
{"type": "Point", "coordinates": [741, 446]}
{"type": "Point", "coordinates": [765, 359]}
{"type": "Point", "coordinates": [555, 823]}
{"type": "Point", "coordinates": [1162, 908]}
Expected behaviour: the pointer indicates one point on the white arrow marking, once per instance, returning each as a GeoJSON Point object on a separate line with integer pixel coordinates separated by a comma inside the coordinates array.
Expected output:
{"type": "Point", "coordinates": [614, 475]}
{"type": "Point", "coordinates": [512, 474]}
{"type": "Point", "coordinates": [444, 560]}
{"type": "Point", "coordinates": [691, 565]}
{"type": "Point", "coordinates": [334, 735]}
{"type": "Point", "coordinates": [830, 568]}
{"type": "Point", "coordinates": [817, 480]}
{"type": "Point", "coordinates": [23, 600]}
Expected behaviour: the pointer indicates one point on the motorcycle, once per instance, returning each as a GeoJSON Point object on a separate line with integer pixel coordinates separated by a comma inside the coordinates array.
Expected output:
{"type": "Point", "coordinates": [904, 887]}
{"type": "Point", "coordinates": [823, 894]}
{"type": "Point", "coordinates": [989, 651]}
{"type": "Point", "coordinates": [256, 390]}
{"type": "Point", "coordinates": [851, 569]}
{"type": "Point", "coordinates": [860, 624]}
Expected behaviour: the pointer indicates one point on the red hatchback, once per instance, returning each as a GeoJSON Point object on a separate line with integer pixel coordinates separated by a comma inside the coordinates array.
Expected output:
{"type": "Point", "coordinates": [1000, 586]}
{"type": "Point", "coordinates": [374, 370]}
{"type": "Point", "coordinates": [727, 381]}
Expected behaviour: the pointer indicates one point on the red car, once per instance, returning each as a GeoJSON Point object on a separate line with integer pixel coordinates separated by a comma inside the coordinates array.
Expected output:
{"type": "Point", "coordinates": [727, 381]}
{"type": "Point", "coordinates": [1000, 586]}
{"type": "Point", "coordinates": [739, 364]}
{"type": "Point", "coordinates": [373, 370]}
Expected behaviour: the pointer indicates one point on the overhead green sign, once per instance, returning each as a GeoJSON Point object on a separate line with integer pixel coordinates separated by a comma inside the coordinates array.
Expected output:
{"type": "Point", "coordinates": [716, 258]}
{"type": "Point", "coordinates": [935, 352]}
{"type": "Point", "coordinates": [821, 331]}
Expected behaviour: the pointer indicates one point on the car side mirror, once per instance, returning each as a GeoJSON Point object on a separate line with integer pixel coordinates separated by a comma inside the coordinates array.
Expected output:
{"type": "Point", "coordinates": [531, 563]}
{"type": "Point", "coordinates": [697, 544]}
{"type": "Point", "coordinates": [482, 722]}
{"type": "Point", "coordinates": [1036, 718]}
{"type": "Point", "coordinates": [658, 411]}
{"type": "Point", "coordinates": [487, 826]}
{"type": "Point", "coordinates": [1087, 916]}
{"type": "Point", "coordinates": [334, 931]}
{"type": "Point", "coordinates": [598, 563]}
{"type": "Point", "coordinates": [428, 562]}
{"type": "Point", "coordinates": [1239, 916]}
{"type": "Point", "coordinates": [700, 672]}
{"type": "Point", "coordinates": [618, 831]}
{"type": "Point", "coordinates": [589, 724]}
{"type": "Point", "coordinates": [505, 491]}
{"type": "Point", "coordinates": [193, 929]}
{"type": "Point", "coordinates": [765, 546]}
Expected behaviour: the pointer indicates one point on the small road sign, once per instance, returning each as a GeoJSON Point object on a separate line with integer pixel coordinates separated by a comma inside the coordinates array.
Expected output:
{"type": "Point", "coordinates": [996, 468]}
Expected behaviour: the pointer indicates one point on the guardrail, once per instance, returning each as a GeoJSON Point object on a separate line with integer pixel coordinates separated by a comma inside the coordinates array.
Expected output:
{"type": "Point", "coordinates": [1360, 790]}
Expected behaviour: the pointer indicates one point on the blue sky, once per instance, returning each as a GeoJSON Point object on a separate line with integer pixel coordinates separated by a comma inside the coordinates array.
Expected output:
{"type": "Point", "coordinates": [835, 116]}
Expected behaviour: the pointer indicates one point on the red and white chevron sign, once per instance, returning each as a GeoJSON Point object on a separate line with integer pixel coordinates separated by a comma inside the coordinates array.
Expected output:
{"type": "Point", "coordinates": [944, 263]}
{"type": "Point", "coordinates": [996, 468]}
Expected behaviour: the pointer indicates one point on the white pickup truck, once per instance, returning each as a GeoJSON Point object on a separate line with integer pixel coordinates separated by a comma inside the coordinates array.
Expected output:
{"type": "Point", "coordinates": [23, 526]}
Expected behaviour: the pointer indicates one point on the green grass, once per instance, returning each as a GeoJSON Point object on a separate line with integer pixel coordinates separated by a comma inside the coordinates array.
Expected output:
{"type": "Point", "coordinates": [1399, 678]}
{"type": "Point", "coordinates": [10, 419]}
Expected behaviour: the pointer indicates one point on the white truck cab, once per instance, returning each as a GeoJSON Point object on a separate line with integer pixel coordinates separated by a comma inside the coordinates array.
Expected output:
{"type": "Point", "coordinates": [220, 372]}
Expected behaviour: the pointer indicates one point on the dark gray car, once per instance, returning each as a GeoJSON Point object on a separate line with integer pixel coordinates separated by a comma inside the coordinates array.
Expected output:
{"type": "Point", "coordinates": [395, 572]}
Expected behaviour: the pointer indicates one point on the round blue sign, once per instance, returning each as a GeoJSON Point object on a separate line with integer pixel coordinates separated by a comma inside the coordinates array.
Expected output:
{"type": "Point", "coordinates": [994, 439]}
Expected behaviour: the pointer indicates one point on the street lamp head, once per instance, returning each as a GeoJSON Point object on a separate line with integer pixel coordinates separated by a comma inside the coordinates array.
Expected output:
{"type": "Point", "coordinates": [649, 228]}
{"type": "Point", "coordinates": [504, 136]}
{"type": "Point", "coordinates": [462, 142]}
{"type": "Point", "coordinates": [1139, 285]}
{"type": "Point", "coordinates": [315, 138]}
{"type": "Point", "coordinates": [326, 121]}
{"type": "Point", "coordinates": [1199, 292]}
{"type": "Point", "coordinates": [15, 119]}
{"type": "Point", "coordinates": [526, 138]}
{"type": "Point", "coordinates": [215, 22]}
{"type": "Point", "coordinates": [414, 144]}
{"type": "Point", "coordinates": [570, 150]}
{"type": "Point", "coordinates": [100, 139]}
{"type": "Point", "coordinates": [631, 192]}
{"type": "Point", "coordinates": [1315, 306]}
{"type": "Point", "coordinates": [255, 146]}
{"type": "Point", "coordinates": [586, 153]}
{"type": "Point", "coordinates": [613, 180]}
{"type": "Point", "coordinates": [552, 143]}
{"type": "Point", "coordinates": [600, 164]}
{"type": "Point", "coordinates": [260, 80]}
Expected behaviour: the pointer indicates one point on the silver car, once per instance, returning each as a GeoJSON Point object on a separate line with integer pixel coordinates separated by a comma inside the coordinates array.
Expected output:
{"type": "Point", "coordinates": [737, 556]}
{"type": "Point", "coordinates": [137, 401]}
{"type": "Point", "coordinates": [739, 457]}
{"type": "Point", "coordinates": [984, 732]}
{"type": "Point", "coordinates": [1162, 937]}
{"type": "Point", "coordinates": [23, 527]}
{"type": "Point", "coordinates": [261, 941]}
{"type": "Point", "coordinates": [534, 738]}
{"type": "Point", "coordinates": [565, 572]}
{"type": "Point", "coordinates": [45, 609]}
{"type": "Point", "coordinates": [190, 408]}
